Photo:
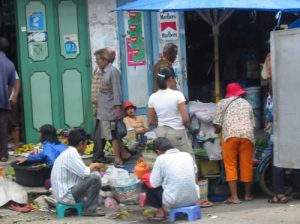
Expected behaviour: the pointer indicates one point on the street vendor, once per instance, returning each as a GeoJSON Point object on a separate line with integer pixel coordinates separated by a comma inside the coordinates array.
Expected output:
{"type": "Point", "coordinates": [51, 147]}
{"type": "Point", "coordinates": [133, 121]}
{"type": "Point", "coordinates": [73, 181]}
{"type": "Point", "coordinates": [172, 182]}
{"type": "Point", "coordinates": [235, 119]}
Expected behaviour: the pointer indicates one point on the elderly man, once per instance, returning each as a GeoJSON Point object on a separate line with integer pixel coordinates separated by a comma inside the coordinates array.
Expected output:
{"type": "Point", "coordinates": [98, 151]}
{"type": "Point", "coordinates": [7, 82]}
{"type": "Point", "coordinates": [72, 181]}
{"type": "Point", "coordinates": [164, 65]}
{"type": "Point", "coordinates": [109, 109]}
{"type": "Point", "coordinates": [172, 182]}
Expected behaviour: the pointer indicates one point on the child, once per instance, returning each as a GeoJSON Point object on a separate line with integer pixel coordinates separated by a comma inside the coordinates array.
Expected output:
{"type": "Point", "coordinates": [51, 147]}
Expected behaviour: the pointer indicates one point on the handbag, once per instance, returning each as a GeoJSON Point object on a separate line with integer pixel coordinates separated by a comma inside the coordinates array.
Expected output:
{"type": "Point", "coordinates": [218, 128]}
{"type": "Point", "coordinates": [121, 129]}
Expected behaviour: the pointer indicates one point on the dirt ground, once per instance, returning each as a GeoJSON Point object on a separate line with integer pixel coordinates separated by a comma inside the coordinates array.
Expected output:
{"type": "Point", "coordinates": [257, 211]}
{"type": "Point", "coordinates": [253, 212]}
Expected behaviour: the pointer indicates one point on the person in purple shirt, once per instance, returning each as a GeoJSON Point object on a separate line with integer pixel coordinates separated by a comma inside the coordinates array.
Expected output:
{"type": "Point", "coordinates": [51, 147]}
{"type": "Point", "coordinates": [7, 82]}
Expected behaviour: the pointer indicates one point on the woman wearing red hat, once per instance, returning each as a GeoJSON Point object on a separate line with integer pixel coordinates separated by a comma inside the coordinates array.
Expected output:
{"type": "Point", "coordinates": [235, 117]}
{"type": "Point", "coordinates": [133, 121]}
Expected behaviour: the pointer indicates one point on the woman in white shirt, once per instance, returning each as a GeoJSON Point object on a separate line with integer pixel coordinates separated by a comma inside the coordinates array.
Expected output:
{"type": "Point", "coordinates": [167, 110]}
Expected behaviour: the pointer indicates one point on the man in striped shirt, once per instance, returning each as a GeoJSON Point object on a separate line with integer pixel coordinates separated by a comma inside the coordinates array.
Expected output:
{"type": "Point", "coordinates": [72, 181]}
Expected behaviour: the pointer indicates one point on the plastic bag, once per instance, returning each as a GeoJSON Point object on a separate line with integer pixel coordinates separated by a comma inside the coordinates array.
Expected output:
{"type": "Point", "coordinates": [120, 177]}
{"type": "Point", "coordinates": [213, 149]}
{"type": "Point", "coordinates": [121, 129]}
{"type": "Point", "coordinates": [204, 111]}
{"type": "Point", "coordinates": [194, 127]}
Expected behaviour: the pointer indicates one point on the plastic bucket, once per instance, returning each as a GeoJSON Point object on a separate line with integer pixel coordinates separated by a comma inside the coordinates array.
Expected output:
{"type": "Point", "coordinates": [253, 96]}
{"type": "Point", "coordinates": [203, 187]}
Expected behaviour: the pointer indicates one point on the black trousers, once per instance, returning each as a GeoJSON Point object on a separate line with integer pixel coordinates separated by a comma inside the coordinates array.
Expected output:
{"type": "Point", "coordinates": [153, 196]}
{"type": "Point", "coordinates": [4, 115]}
{"type": "Point", "coordinates": [99, 143]}
{"type": "Point", "coordinates": [278, 180]}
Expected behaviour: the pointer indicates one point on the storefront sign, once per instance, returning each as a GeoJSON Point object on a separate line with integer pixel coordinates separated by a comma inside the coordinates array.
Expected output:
{"type": "Point", "coordinates": [168, 26]}
{"type": "Point", "coordinates": [135, 44]}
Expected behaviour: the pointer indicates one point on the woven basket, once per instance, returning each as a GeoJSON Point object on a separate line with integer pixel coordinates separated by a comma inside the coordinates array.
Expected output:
{"type": "Point", "coordinates": [127, 195]}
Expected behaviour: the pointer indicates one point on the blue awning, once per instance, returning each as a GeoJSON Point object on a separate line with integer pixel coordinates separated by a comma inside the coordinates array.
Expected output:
{"type": "Point", "coordinates": [295, 24]}
{"type": "Point", "coordinates": [186, 5]}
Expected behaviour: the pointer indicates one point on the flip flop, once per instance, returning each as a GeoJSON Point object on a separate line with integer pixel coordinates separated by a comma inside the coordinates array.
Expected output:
{"type": "Point", "coordinates": [278, 200]}
{"type": "Point", "coordinates": [15, 207]}
{"type": "Point", "coordinates": [249, 198]}
{"type": "Point", "coordinates": [155, 218]}
{"type": "Point", "coordinates": [204, 203]}
{"type": "Point", "coordinates": [228, 201]}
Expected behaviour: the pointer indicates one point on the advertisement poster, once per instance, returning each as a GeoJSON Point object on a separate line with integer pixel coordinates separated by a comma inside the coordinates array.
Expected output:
{"type": "Point", "coordinates": [135, 43]}
{"type": "Point", "coordinates": [71, 44]}
{"type": "Point", "coordinates": [36, 22]}
{"type": "Point", "coordinates": [168, 26]}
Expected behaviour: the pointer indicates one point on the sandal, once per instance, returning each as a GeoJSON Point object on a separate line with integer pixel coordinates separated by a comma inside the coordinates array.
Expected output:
{"type": "Point", "coordinates": [156, 218]}
{"type": "Point", "coordinates": [204, 203]}
{"type": "Point", "coordinates": [230, 201]}
{"type": "Point", "coordinates": [118, 164]}
{"type": "Point", "coordinates": [278, 199]}
{"type": "Point", "coordinates": [19, 208]}
{"type": "Point", "coordinates": [4, 159]}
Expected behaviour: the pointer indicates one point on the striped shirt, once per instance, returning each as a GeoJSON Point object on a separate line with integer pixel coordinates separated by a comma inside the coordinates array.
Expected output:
{"type": "Point", "coordinates": [68, 170]}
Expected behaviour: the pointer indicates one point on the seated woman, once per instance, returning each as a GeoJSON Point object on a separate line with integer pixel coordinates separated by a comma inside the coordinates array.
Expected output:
{"type": "Point", "coordinates": [51, 147]}
{"type": "Point", "coordinates": [133, 121]}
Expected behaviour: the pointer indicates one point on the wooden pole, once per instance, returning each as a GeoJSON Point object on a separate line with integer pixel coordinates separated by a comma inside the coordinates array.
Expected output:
{"type": "Point", "coordinates": [215, 29]}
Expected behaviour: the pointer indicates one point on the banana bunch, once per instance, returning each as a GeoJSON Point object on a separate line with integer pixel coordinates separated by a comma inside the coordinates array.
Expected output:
{"type": "Point", "coordinates": [89, 149]}
{"type": "Point", "coordinates": [24, 148]}
{"type": "Point", "coordinates": [108, 148]}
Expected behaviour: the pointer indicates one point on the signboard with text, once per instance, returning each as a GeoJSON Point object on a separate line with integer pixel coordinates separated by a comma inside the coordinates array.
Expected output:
{"type": "Point", "coordinates": [168, 23]}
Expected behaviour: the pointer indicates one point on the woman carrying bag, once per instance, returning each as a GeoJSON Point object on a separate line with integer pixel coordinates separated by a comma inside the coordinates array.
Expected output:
{"type": "Point", "coordinates": [235, 119]}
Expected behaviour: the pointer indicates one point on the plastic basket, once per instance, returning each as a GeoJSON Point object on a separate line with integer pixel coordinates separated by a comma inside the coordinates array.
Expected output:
{"type": "Point", "coordinates": [127, 195]}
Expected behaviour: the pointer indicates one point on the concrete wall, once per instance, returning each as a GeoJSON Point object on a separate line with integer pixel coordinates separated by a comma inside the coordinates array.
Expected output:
{"type": "Point", "coordinates": [103, 27]}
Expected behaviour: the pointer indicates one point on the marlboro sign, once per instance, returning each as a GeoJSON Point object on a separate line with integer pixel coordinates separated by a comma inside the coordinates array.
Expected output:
{"type": "Point", "coordinates": [168, 26]}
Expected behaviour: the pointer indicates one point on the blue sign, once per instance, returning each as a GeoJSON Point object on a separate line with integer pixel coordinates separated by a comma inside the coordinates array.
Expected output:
{"type": "Point", "coordinates": [71, 47]}
{"type": "Point", "coordinates": [36, 21]}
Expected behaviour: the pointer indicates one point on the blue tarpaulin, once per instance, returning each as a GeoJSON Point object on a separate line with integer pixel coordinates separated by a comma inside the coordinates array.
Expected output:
{"type": "Point", "coordinates": [185, 5]}
{"type": "Point", "coordinates": [295, 24]}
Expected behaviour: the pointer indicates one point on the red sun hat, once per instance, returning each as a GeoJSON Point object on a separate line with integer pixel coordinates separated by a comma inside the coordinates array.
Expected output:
{"type": "Point", "coordinates": [128, 104]}
{"type": "Point", "coordinates": [234, 89]}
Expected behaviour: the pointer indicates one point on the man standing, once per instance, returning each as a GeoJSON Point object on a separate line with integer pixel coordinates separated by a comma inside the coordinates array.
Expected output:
{"type": "Point", "coordinates": [14, 114]}
{"type": "Point", "coordinates": [99, 142]}
{"type": "Point", "coordinates": [164, 65]}
{"type": "Point", "coordinates": [7, 82]}
{"type": "Point", "coordinates": [72, 181]}
{"type": "Point", "coordinates": [109, 109]}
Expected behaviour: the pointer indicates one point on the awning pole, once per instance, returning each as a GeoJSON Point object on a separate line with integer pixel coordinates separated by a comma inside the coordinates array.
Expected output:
{"type": "Point", "coordinates": [215, 29]}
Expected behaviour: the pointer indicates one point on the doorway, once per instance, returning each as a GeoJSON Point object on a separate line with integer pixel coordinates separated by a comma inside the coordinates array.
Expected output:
{"type": "Point", "coordinates": [54, 64]}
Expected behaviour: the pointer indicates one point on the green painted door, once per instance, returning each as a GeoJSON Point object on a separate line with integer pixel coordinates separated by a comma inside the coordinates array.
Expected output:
{"type": "Point", "coordinates": [55, 64]}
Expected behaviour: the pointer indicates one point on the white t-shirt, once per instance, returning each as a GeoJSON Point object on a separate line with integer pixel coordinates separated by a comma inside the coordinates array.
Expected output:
{"type": "Point", "coordinates": [165, 103]}
{"type": "Point", "coordinates": [175, 171]}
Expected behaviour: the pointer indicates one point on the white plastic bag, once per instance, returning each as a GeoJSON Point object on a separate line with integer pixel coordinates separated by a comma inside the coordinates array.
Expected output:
{"type": "Point", "coordinates": [204, 111]}
{"type": "Point", "coordinates": [213, 149]}
{"type": "Point", "coordinates": [120, 177]}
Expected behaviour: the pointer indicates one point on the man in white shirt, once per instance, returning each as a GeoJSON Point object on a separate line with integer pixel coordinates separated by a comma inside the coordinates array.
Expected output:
{"type": "Point", "coordinates": [72, 181]}
{"type": "Point", "coordinates": [172, 180]}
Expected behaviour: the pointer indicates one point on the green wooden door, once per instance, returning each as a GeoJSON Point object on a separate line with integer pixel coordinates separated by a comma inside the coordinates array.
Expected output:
{"type": "Point", "coordinates": [55, 64]}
